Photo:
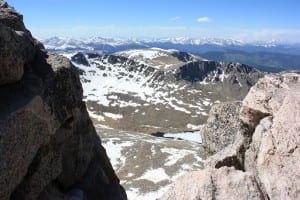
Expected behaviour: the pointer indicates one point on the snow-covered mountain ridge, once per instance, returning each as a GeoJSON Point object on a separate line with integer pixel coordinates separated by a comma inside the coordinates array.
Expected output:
{"type": "Point", "coordinates": [95, 43]}
{"type": "Point", "coordinates": [270, 56]}
{"type": "Point", "coordinates": [150, 90]}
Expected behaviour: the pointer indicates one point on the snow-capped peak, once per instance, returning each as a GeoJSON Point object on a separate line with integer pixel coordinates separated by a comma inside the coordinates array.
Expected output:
{"type": "Point", "coordinates": [94, 43]}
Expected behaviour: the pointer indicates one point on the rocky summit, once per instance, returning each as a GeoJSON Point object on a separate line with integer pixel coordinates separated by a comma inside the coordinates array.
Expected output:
{"type": "Point", "coordinates": [156, 90]}
{"type": "Point", "coordinates": [219, 130]}
{"type": "Point", "coordinates": [48, 146]}
{"type": "Point", "coordinates": [260, 159]}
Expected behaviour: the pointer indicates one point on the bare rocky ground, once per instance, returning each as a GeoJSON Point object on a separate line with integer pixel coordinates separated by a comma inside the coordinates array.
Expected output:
{"type": "Point", "coordinates": [147, 165]}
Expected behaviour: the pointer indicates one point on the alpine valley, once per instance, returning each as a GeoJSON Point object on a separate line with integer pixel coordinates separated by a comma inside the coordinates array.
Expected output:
{"type": "Point", "coordinates": [168, 119]}
{"type": "Point", "coordinates": [140, 99]}
{"type": "Point", "coordinates": [155, 90]}
{"type": "Point", "coordinates": [150, 100]}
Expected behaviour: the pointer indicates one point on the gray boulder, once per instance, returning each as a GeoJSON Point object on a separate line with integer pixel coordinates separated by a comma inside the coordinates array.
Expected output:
{"type": "Point", "coordinates": [222, 126]}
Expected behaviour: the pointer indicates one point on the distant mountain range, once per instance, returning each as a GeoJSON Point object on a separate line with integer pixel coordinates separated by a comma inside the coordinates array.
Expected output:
{"type": "Point", "coordinates": [271, 56]}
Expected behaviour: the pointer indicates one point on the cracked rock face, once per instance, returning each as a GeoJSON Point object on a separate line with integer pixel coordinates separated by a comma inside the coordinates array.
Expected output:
{"type": "Point", "coordinates": [268, 156]}
{"type": "Point", "coordinates": [274, 151]}
{"type": "Point", "coordinates": [48, 145]}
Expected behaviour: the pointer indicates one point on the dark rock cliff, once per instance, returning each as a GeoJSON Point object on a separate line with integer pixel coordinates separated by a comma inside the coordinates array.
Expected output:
{"type": "Point", "coordinates": [231, 80]}
{"type": "Point", "coordinates": [48, 146]}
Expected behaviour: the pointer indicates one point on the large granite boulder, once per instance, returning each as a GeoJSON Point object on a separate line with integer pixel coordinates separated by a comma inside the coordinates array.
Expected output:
{"type": "Point", "coordinates": [49, 148]}
{"type": "Point", "coordinates": [264, 156]}
{"type": "Point", "coordinates": [274, 153]}
{"type": "Point", "coordinates": [222, 126]}
{"type": "Point", "coordinates": [267, 96]}
{"type": "Point", "coordinates": [210, 183]}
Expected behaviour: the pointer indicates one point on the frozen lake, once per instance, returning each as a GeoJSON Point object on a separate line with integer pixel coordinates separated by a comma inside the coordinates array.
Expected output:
{"type": "Point", "coordinates": [189, 136]}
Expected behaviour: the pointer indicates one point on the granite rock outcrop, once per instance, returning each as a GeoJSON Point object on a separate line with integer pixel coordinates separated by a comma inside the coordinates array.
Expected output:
{"type": "Point", "coordinates": [49, 148]}
{"type": "Point", "coordinates": [263, 153]}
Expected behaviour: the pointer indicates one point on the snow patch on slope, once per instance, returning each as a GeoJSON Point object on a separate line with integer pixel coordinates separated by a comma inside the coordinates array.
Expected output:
{"type": "Point", "coordinates": [142, 54]}
{"type": "Point", "coordinates": [155, 175]}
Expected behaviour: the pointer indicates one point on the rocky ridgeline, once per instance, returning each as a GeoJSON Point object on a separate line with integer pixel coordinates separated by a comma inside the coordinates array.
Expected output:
{"type": "Point", "coordinates": [255, 145]}
{"type": "Point", "coordinates": [48, 146]}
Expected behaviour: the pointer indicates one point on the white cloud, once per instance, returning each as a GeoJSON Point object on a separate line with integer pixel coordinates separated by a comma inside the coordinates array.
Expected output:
{"type": "Point", "coordinates": [203, 19]}
{"type": "Point", "coordinates": [175, 18]}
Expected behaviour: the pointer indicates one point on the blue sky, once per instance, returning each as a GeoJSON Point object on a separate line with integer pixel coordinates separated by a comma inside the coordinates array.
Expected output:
{"type": "Point", "coordinates": [238, 19]}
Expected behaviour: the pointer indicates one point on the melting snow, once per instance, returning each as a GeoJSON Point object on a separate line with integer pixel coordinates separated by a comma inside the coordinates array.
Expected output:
{"type": "Point", "coordinates": [96, 116]}
{"type": "Point", "coordinates": [134, 194]}
{"type": "Point", "coordinates": [112, 115]}
{"type": "Point", "coordinates": [121, 148]}
{"type": "Point", "coordinates": [222, 76]}
{"type": "Point", "coordinates": [192, 126]}
{"type": "Point", "coordinates": [114, 150]}
{"type": "Point", "coordinates": [155, 175]}
{"type": "Point", "coordinates": [175, 155]}
{"type": "Point", "coordinates": [105, 84]}
{"type": "Point", "coordinates": [142, 54]}
{"type": "Point", "coordinates": [206, 103]}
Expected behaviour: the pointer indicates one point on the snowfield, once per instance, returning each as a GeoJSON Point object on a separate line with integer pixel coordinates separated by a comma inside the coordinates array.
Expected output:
{"type": "Point", "coordinates": [147, 165]}
{"type": "Point", "coordinates": [130, 84]}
